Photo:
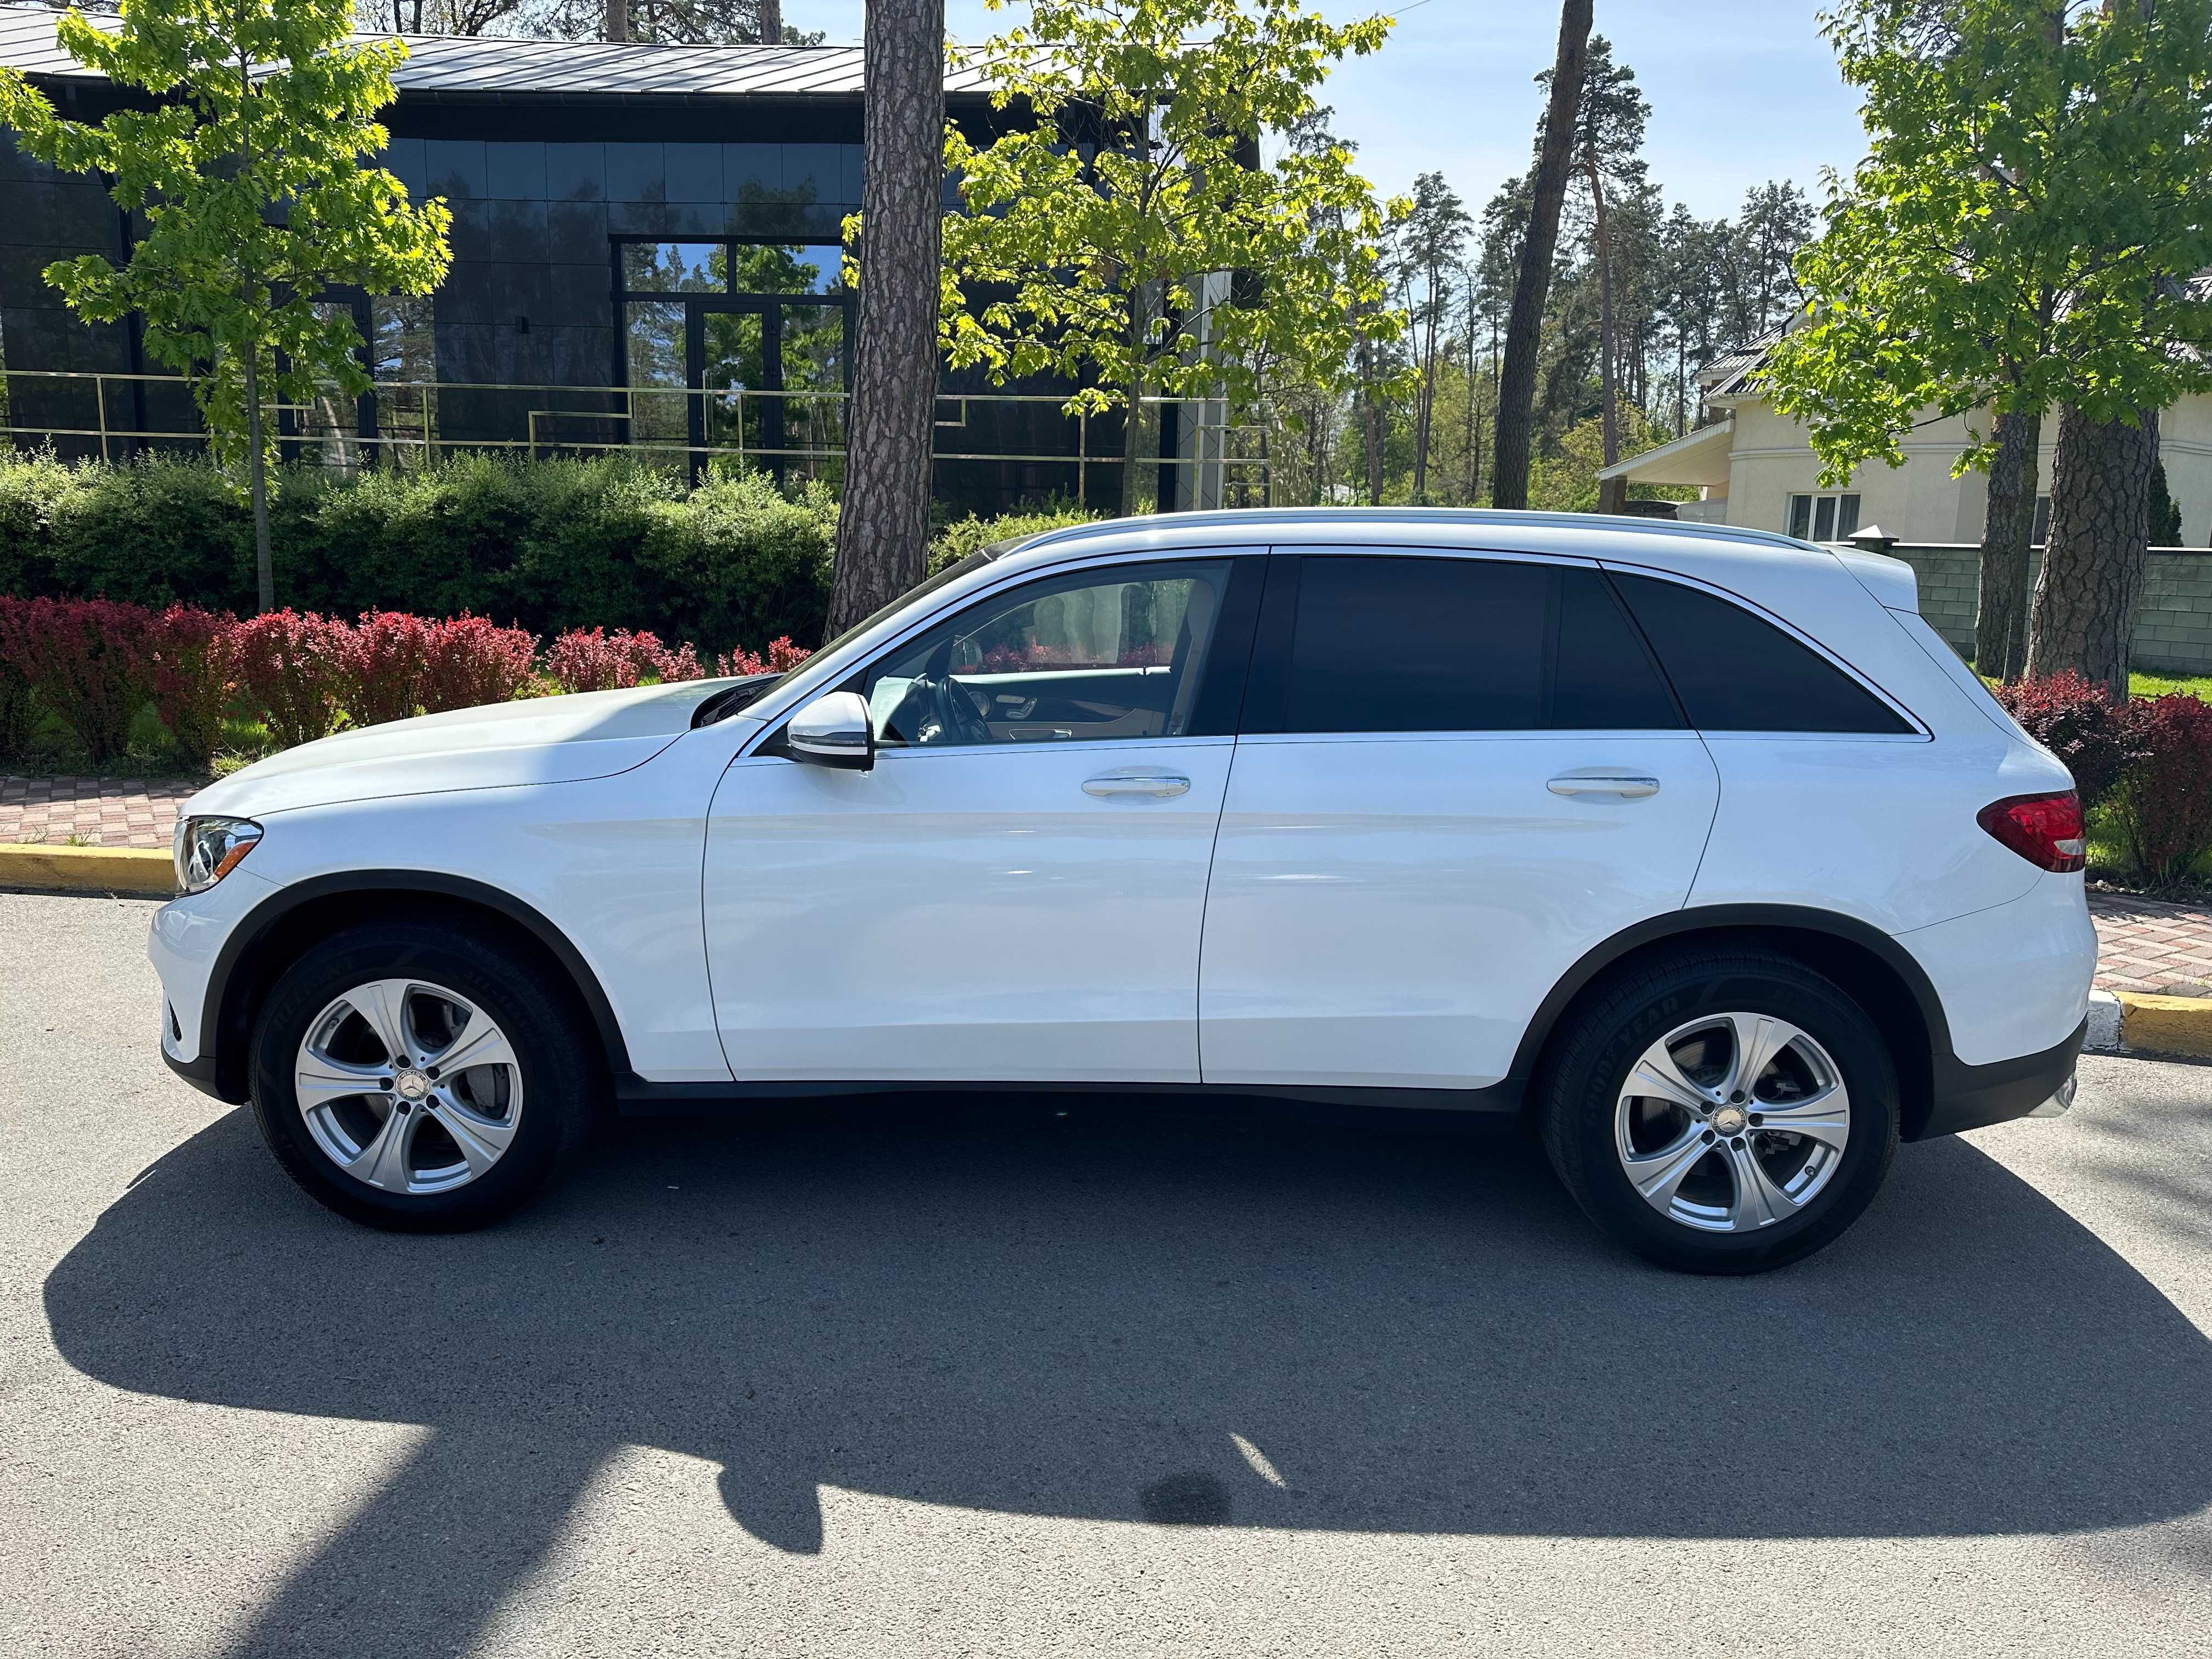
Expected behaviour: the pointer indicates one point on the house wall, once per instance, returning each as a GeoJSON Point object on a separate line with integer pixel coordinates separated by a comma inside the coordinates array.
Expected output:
{"type": "Point", "coordinates": [2173, 618]}
{"type": "Point", "coordinates": [1920, 502]}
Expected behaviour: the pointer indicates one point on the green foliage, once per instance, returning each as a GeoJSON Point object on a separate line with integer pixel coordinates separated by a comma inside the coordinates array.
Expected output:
{"type": "Point", "coordinates": [251, 190]}
{"type": "Point", "coordinates": [1081, 249]}
{"type": "Point", "coordinates": [965, 536]}
{"type": "Point", "coordinates": [553, 544]}
{"type": "Point", "coordinates": [2038, 179]}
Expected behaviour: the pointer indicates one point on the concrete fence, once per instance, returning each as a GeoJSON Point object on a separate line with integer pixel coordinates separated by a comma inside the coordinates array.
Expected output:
{"type": "Point", "coordinates": [2173, 619]}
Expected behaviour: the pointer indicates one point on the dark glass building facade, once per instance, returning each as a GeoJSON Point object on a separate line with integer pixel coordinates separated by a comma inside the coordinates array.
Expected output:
{"type": "Point", "coordinates": [645, 249]}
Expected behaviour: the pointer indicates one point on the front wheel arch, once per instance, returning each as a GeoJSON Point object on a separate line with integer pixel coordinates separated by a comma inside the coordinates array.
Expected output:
{"type": "Point", "coordinates": [296, 917]}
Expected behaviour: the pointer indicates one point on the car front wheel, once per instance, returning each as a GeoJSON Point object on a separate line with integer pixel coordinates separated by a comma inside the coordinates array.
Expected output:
{"type": "Point", "coordinates": [1722, 1113]}
{"type": "Point", "coordinates": [418, 1078]}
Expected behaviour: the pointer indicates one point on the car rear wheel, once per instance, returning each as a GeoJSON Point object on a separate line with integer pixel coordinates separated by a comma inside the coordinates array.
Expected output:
{"type": "Point", "coordinates": [1722, 1113]}
{"type": "Point", "coordinates": [417, 1078]}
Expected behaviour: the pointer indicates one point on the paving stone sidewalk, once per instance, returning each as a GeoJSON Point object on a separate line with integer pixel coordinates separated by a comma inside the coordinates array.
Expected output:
{"type": "Point", "coordinates": [2147, 945]}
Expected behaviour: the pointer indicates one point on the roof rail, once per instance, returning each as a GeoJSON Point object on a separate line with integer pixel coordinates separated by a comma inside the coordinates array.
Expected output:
{"type": "Point", "coordinates": [1486, 517]}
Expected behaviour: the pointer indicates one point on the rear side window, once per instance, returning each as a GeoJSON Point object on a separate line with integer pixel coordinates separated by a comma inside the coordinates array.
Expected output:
{"type": "Point", "coordinates": [1386, 643]}
{"type": "Point", "coordinates": [1736, 672]}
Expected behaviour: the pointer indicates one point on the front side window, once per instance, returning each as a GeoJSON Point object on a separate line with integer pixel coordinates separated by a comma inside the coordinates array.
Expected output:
{"type": "Point", "coordinates": [1115, 654]}
{"type": "Point", "coordinates": [1386, 643]}
{"type": "Point", "coordinates": [1824, 517]}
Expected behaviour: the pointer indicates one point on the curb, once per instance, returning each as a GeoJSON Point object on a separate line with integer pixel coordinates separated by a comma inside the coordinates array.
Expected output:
{"type": "Point", "coordinates": [140, 871]}
{"type": "Point", "coordinates": [2135, 1022]}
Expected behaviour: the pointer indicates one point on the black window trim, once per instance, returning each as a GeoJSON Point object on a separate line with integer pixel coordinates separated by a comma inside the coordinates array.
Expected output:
{"type": "Point", "coordinates": [1918, 732]}
{"type": "Point", "coordinates": [1268, 682]}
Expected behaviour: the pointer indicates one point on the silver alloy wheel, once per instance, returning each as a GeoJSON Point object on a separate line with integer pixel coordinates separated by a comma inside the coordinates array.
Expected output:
{"type": "Point", "coordinates": [408, 1086]}
{"type": "Point", "coordinates": [1732, 1122]}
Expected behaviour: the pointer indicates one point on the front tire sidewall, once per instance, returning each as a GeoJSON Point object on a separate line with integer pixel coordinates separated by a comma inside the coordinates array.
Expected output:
{"type": "Point", "coordinates": [512, 992]}
{"type": "Point", "coordinates": [1580, 1134]}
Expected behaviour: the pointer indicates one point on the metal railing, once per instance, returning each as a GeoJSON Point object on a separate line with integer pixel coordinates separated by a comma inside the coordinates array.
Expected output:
{"type": "Point", "coordinates": [402, 421]}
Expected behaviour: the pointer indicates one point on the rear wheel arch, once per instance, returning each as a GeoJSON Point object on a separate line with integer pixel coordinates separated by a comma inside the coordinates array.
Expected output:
{"type": "Point", "coordinates": [1868, 965]}
{"type": "Point", "coordinates": [294, 919]}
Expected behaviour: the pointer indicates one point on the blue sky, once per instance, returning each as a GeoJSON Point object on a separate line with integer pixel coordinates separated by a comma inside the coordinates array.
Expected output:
{"type": "Point", "coordinates": [1741, 91]}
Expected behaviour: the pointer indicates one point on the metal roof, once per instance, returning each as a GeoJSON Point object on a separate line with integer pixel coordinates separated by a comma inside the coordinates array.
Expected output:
{"type": "Point", "coordinates": [498, 64]}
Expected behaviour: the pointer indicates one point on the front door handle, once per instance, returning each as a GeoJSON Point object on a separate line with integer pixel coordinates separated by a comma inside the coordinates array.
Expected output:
{"type": "Point", "coordinates": [1592, 783]}
{"type": "Point", "coordinates": [1160, 786]}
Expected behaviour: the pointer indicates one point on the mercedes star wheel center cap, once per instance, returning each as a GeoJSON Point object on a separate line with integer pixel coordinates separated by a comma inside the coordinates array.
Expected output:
{"type": "Point", "coordinates": [1730, 1120]}
{"type": "Point", "coordinates": [413, 1085]}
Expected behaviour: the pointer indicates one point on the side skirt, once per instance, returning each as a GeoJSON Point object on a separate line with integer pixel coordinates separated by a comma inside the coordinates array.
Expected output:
{"type": "Point", "coordinates": [635, 1096]}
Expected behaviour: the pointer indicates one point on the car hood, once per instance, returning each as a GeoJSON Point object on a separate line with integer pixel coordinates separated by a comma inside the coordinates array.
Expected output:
{"type": "Point", "coordinates": [562, 739]}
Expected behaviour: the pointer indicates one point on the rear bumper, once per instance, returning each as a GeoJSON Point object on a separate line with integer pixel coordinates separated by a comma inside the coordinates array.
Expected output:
{"type": "Point", "coordinates": [1975, 1097]}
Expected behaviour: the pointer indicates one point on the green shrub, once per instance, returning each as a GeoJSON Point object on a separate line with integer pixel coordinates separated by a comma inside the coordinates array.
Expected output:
{"type": "Point", "coordinates": [957, 540]}
{"type": "Point", "coordinates": [550, 544]}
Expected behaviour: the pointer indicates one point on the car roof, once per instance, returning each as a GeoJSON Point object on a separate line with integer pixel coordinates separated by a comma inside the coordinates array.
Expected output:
{"type": "Point", "coordinates": [1585, 535]}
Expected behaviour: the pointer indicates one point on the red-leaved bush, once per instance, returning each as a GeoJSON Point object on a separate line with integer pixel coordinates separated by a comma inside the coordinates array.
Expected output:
{"type": "Point", "coordinates": [780, 658]}
{"type": "Point", "coordinates": [84, 658]}
{"type": "Point", "coordinates": [191, 670]}
{"type": "Point", "coordinates": [294, 667]}
{"type": "Point", "coordinates": [18, 715]}
{"type": "Point", "coordinates": [472, 660]}
{"type": "Point", "coordinates": [2076, 720]}
{"type": "Point", "coordinates": [591, 660]}
{"type": "Point", "coordinates": [2162, 804]}
{"type": "Point", "coordinates": [384, 656]}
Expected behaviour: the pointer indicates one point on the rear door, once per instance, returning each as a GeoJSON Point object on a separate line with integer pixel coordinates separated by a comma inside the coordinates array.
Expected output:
{"type": "Point", "coordinates": [1456, 774]}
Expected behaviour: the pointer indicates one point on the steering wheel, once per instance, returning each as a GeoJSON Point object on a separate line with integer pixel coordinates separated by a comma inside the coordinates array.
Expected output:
{"type": "Point", "coordinates": [951, 710]}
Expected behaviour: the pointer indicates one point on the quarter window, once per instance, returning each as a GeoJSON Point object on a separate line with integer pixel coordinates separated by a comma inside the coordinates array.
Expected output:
{"type": "Point", "coordinates": [1736, 672]}
{"type": "Point", "coordinates": [1388, 643]}
{"type": "Point", "coordinates": [1103, 654]}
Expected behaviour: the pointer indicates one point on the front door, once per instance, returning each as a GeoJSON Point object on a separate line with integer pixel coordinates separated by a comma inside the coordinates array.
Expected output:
{"type": "Point", "coordinates": [1015, 891]}
{"type": "Point", "coordinates": [1457, 775]}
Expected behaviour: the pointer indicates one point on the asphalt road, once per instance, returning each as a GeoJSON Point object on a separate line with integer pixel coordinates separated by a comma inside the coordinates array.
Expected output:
{"type": "Point", "coordinates": [923, 1379]}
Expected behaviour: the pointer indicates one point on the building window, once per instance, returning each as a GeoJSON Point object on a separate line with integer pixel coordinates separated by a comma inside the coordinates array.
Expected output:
{"type": "Point", "coordinates": [403, 359]}
{"type": "Point", "coordinates": [738, 347]}
{"type": "Point", "coordinates": [1823, 518]}
{"type": "Point", "coordinates": [2041, 534]}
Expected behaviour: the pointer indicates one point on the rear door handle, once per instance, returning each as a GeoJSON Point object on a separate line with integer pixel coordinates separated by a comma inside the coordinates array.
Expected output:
{"type": "Point", "coordinates": [1593, 783]}
{"type": "Point", "coordinates": [1160, 786]}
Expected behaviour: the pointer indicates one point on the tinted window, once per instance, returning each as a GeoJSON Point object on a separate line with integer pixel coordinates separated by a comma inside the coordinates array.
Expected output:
{"type": "Point", "coordinates": [1119, 652]}
{"type": "Point", "coordinates": [1391, 644]}
{"type": "Point", "coordinates": [1736, 672]}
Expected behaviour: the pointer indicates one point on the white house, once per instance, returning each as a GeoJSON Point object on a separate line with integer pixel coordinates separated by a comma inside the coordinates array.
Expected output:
{"type": "Point", "coordinates": [1754, 467]}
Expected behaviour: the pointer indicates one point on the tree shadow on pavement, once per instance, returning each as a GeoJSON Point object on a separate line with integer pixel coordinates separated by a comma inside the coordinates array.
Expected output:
{"type": "Point", "coordinates": [1129, 1312]}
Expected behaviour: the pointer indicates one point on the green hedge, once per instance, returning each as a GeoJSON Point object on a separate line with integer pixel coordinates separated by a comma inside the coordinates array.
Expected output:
{"type": "Point", "coordinates": [550, 544]}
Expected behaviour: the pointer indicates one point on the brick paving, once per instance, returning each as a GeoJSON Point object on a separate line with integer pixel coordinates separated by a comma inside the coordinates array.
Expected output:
{"type": "Point", "coordinates": [2147, 945]}
{"type": "Point", "coordinates": [93, 811]}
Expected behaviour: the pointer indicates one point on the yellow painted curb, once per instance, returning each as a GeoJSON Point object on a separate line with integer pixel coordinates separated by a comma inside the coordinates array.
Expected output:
{"type": "Point", "coordinates": [2167, 1025]}
{"type": "Point", "coordinates": [135, 870]}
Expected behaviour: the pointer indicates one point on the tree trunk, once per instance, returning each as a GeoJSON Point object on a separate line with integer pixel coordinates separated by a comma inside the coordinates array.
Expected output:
{"type": "Point", "coordinates": [617, 24]}
{"type": "Point", "coordinates": [2093, 568]}
{"type": "Point", "coordinates": [1608, 343]}
{"type": "Point", "coordinates": [771, 22]}
{"type": "Point", "coordinates": [882, 528]}
{"type": "Point", "coordinates": [2001, 622]}
{"type": "Point", "coordinates": [1133, 443]}
{"type": "Point", "coordinates": [1517, 387]}
{"type": "Point", "coordinates": [1372, 422]}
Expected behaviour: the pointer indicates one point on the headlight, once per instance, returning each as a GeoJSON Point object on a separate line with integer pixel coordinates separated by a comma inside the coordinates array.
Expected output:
{"type": "Point", "coordinates": [208, 849]}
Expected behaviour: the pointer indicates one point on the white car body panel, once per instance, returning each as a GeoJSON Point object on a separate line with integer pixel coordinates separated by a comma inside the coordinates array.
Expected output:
{"type": "Point", "coordinates": [1389, 911]}
{"type": "Point", "coordinates": [967, 914]}
{"type": "Point", "coordinates": [1376, 918]}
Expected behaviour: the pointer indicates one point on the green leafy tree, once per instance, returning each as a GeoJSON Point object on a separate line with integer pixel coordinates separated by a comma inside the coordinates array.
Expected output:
{"type": "Point", "coordinates": [2037, 182]}
{"type": "Point", "coordinates": [1430, 242]}
{"type": "Point", "coordinates": [247, 176]}
{"type": "Point", "coordinates": [1136, 236]}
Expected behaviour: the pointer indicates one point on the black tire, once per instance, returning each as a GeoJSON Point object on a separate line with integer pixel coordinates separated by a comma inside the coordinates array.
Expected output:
{"type": "Point", "coordinates": [535, 1010]}
{"type": "Point", "coordinates": [1626, 1016]}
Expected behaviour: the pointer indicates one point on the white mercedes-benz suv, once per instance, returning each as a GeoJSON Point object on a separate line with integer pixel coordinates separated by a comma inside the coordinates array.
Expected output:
{"type": "Point", "coordinates": [1695, 846]}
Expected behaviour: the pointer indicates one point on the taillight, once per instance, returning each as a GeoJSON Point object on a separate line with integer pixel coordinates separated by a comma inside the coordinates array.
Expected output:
{"type": "Point", "coordinates": [2045, 829]}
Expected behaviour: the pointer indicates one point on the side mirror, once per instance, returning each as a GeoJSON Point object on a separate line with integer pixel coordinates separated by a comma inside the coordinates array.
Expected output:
{"type": "Point", "coordinates": [834, 730]}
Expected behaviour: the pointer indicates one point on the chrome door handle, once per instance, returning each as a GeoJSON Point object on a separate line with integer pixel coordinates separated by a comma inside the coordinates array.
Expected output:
{"type": "Point", "coordinates": [1626, 788]}
{"type": "Point", "coordinates": [1160, 786]}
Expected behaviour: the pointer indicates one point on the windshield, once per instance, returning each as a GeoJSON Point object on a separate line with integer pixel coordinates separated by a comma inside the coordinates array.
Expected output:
{"type": "Point", "coordinates": [746, 692]}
